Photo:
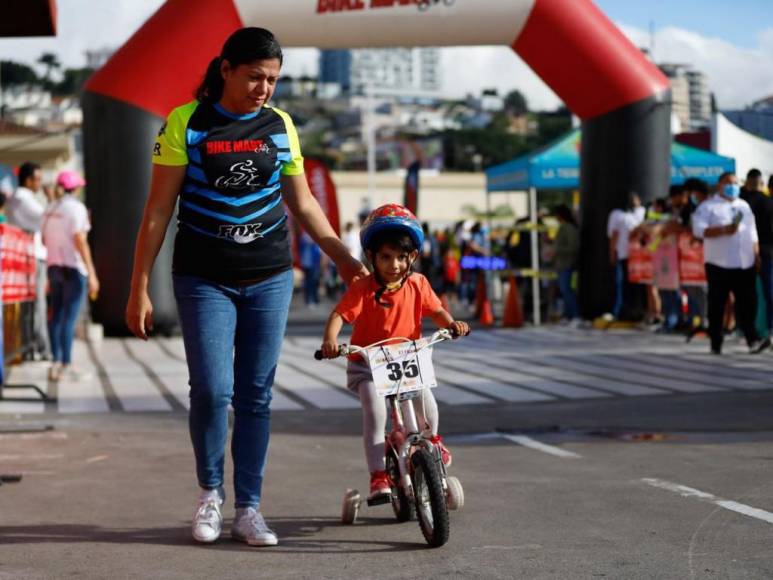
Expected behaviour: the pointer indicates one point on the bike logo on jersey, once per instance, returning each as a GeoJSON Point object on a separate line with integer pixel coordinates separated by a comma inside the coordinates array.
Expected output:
{"type": "Point", "coordinates": [244, 175]}
{"type": "Point", "coordinates": [241, 234]}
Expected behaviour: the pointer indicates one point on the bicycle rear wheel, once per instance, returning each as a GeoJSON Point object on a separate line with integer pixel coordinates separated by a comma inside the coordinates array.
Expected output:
{"type": "Point", "coordinates": [402, 507]}
{"type": "Point", "coordinates": [431, 508]}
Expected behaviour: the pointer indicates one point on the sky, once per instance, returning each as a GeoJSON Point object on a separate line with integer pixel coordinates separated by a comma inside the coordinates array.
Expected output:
{"type": "Point", "coordinates": [730, 40]}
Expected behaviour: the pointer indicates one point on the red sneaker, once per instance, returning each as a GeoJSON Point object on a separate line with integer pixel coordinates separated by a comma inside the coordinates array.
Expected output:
{"type": "Point", "coordinates": [445, 454]}
{"type": "Point", "coordinates": [379, 484]}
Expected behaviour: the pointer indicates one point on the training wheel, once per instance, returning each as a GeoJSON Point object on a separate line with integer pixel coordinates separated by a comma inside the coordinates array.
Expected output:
{"type": "Point", "coordinates": [351, 506]}
{"type": "Point", "coordinates": [454, 493]}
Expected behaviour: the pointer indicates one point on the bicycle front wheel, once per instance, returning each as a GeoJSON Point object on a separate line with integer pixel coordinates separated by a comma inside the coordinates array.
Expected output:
{"type": "Point", "coordinates": [431, 506]}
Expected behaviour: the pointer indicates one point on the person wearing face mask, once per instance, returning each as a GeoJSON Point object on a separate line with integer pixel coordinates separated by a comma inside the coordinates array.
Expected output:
{"type": "Point", "coordinates": [731, 255]}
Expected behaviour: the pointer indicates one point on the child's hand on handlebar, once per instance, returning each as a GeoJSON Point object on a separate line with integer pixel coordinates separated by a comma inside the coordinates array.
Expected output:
{"type": "Point", "coordinates": [330, 349]}
{"type": "Point", "coordinates": [459, 328]}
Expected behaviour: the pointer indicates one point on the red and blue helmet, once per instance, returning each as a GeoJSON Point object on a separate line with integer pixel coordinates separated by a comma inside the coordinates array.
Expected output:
{"type": "Point", "coordinates": [392, 217]}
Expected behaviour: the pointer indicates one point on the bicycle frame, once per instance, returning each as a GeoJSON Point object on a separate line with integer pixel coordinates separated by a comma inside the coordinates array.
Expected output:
{"type": "Point", "coordinates": [405, 433]}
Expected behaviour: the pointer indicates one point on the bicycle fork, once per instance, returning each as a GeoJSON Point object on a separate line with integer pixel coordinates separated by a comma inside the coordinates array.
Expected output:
{"type": "Point", "coordinates": [405, 434]}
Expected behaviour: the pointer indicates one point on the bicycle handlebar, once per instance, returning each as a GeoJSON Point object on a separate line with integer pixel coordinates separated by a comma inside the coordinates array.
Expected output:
{"type": "Point", "coordinates": [344, 350]}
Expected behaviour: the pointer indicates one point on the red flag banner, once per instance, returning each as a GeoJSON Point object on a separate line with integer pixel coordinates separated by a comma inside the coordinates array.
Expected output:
{"type": "Point", "coordinates": [640, 266]}
{"type": "Point", "coordinates": [692, 272]}
{"type": "Point", "coordinates": [411, 190]}
{"type": "Point", "coordinates": [324, 190]}
{"type": "Point", "coordinates": [17, 265]}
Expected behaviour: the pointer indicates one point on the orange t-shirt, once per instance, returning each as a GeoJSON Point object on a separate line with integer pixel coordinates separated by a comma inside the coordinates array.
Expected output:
{"type": "Point", "coordinates": [373, 322]}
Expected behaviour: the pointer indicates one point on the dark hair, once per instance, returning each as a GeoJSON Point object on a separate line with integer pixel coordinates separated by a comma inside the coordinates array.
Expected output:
{"type": "Point", "coordinates": [562, 211]}
{"type": "Point", "coordinates": [27, 170]}
{"type": "Point", "coordinates": [394, 238]}
{"type": "Point", "coordinates": [754, 174]}
{"type": "Point", "coordinates": [695, 184]}
{"type": "Point", "coordinates": [243, 46]}
{"type": "Point", "coordinates": [725, 175]}
{"type": "Point", "coordinates": [675, 190]}
{"type": "Point", "coordinates": [625, 201]}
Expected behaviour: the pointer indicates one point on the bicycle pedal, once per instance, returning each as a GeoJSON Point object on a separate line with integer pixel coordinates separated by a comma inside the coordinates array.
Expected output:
{"type": "Point", "coordinates": [380, 499]}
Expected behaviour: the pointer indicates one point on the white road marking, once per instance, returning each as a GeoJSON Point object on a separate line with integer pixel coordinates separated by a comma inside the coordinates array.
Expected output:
{"type": "Point", "coordinates": [538, 446]}
{"type": "Point", "coordinates": [734, 506]}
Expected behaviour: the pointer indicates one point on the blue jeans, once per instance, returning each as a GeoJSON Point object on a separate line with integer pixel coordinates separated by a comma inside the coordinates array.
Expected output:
{"type": "Point", "coordinates": [232, 338]}
{"type": "Point", "coordinates": [67, 287]}
{"type": "Point", "coordinates": [671, 306]}
{"type": "Point", "coordinates": [567, 293]}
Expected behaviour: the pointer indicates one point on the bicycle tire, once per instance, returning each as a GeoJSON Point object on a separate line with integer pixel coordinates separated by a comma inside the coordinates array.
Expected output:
{"type": "Point", "coordinates": [401, 505]}
{"type": "Point", "coordinates": [431, 509]}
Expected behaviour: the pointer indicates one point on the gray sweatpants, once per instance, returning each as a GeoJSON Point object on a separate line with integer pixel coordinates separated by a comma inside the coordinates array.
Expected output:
{"type": "Point", "coordinates": [374, 412]}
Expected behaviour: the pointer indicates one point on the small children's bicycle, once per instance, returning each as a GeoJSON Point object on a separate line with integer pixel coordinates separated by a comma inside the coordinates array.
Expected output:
{"type": "Point", "coordinates": [418, 477]}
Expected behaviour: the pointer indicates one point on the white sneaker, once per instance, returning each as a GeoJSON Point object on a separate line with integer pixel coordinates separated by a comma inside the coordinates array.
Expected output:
{"type": "Point", "coordinates": [73, 374]}
{"type": "Point", "coordinates": [54, 372]}
{"type": "Point", "coordinates": [250, 527]}
{"type": "Point", "coordinates": [208, 521]}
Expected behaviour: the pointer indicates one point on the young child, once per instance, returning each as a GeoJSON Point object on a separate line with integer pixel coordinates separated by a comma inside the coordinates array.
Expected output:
{"type": "Point", "coordinates": [389, 303]}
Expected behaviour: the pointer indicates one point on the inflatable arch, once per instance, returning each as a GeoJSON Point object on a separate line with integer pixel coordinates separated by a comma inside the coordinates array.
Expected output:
{"type": "Point", "coordinates": [622, 99]}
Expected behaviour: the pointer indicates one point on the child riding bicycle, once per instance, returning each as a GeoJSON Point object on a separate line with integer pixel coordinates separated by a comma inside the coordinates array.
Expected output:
{"type": "Point", "coordinates": [389, 303]}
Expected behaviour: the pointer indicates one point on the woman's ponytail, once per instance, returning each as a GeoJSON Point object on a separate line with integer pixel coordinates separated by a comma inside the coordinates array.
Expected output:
{"type": "Point", "coordinates": [211, 88]}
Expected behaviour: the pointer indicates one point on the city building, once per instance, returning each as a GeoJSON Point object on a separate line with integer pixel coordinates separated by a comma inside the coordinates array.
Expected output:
{"type": "Point", "coordinates": [690, 96]}
{"type": "Point", "coordinates": [407, 71]}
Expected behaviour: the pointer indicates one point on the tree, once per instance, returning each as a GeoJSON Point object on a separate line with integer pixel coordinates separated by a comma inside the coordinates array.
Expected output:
{"type": "Point", "coordinates": [51, 62]}
{"type": "Point", "coordinates": [15, 73]}
{"type": "Point", "coordinates": [515, 103]}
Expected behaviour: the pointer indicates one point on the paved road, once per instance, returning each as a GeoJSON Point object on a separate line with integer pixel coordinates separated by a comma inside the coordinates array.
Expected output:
{"type": "Point", "coordinates": [583, 455]}
{"type": "Point", "coordinates": [488, 368]}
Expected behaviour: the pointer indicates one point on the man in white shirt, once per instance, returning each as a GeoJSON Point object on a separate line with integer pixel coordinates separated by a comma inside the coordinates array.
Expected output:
{"type": "Point", "coordinates": [620, 224]}
{"type": "Point", "coordinates": [25, 211]}
{"type": "Point", "coordinates": [731, 255]}
{"type": "Point", "coordinates": [351, 239]}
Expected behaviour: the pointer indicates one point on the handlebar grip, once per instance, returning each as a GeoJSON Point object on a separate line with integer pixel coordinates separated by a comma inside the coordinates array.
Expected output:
{"type": "Point", "coordinates": [318, 355]}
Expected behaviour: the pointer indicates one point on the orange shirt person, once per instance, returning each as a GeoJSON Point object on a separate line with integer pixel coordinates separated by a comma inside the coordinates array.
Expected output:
{"type": "Point", "coordinates": [391, 302]}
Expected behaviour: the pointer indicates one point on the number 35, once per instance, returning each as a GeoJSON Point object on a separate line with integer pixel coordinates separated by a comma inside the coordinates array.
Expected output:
{"type": "Point", "coordinates": [409, 367]}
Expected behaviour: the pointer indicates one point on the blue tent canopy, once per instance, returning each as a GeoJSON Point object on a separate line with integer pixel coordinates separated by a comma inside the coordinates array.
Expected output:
{"type": "Point", "coordinates": [557, 166]}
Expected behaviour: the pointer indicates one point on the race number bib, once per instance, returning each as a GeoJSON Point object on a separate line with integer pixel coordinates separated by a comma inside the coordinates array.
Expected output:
{"type": "Point", "coordinates": [406, 367]}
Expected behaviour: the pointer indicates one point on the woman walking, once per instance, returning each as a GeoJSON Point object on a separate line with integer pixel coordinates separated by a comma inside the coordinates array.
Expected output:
{"type": "Point", "coordinates": [70, 269]}
{"type": "Point", "coordinates": [232, 160]}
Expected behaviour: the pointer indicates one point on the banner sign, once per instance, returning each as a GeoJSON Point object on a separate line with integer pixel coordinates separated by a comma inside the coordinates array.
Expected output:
{"type": "Point", "coordinates": [640, 267]}
{"type": "Point", "coordinates": [411, 189]}
{"type": "Point", "coordinates": [324, 190]}
{"type": "Point", "coordinates": [667, 265]}
{"type": "Point", "coordinates": [17, 265]}
{"type": "Point", "coordinates": [692, 271]}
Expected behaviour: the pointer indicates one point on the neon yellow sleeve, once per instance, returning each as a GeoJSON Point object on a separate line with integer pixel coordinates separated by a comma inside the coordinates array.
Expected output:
{"type": "Point", "coordinates": [170, 147]}
{"type": "Point", "coordinates": [295, 165]}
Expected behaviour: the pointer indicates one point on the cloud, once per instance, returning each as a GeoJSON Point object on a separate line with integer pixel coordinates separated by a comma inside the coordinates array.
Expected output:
{"type": "Point", "coordinates": [83, 25]}
{"type": "Point", "coordinates": [737, 76]}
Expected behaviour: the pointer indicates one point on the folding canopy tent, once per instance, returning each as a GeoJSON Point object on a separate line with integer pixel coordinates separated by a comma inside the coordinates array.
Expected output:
{"type": "Point", "coordinates": [557, 166]}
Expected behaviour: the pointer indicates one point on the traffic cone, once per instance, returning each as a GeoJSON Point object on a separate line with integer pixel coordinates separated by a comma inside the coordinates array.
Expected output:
{"type": "Point", "coordinates": [513, 315]}
{"type": "Point", "coordinates": [485, 313]}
